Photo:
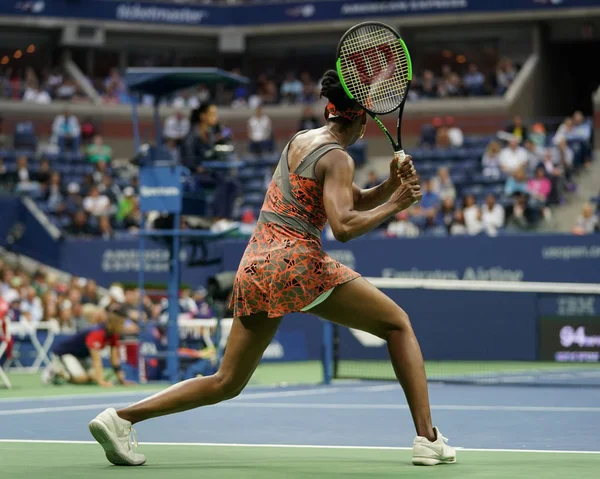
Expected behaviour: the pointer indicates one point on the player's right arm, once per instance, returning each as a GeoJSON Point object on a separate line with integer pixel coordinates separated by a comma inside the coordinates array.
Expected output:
{"type": "Point", "coordinates": [336, 169]}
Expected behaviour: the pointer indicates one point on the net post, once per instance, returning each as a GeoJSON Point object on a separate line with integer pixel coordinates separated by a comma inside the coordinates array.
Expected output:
{"type": "Point", "coordinates": [141, 359]}
{"type": "Point", "coordinates": [172, 325]}
{"type": "Point", "coordinates": [327, 352]}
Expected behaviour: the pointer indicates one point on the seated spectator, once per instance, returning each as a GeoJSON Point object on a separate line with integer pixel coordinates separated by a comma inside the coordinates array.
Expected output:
{"type": "Point", "coordinates": [587, 222]}
{"type": "Point", "coordinates": [54, 194]}
{"type": "Point", "coordinates": [266, 92]}
{"type": "Point", "coordinates": [540, 186]}
{"type": "Point", "coordinates": [517, 129]}
{"type": "Point", "coordinates": [88, 131]}
{"type": "Point", "coordinates": [309, 89]}
{"type": "Point", "coordinates": [79, 226]}
{"type": "Point", "coordinates": [454, 132]}
{"type": "Point", "coordinates": [442, 139]}
{"type": "Point", "coordinates": [104, 228]}
{"type": "Point", "coordinates": [492, 216]}
{"type": "Point", "coordinates": [126, 204]}
{"type": "Point", "coordinates": [109, 188]}
{"type": "Point", "coordinates": [309, 120]}
{"type": "Point", "coordinates": [453, 87]}
{"type": "Point", "coordinates": [24, 179]}
{"type": "Point", "coordinates": [442, 184]}
{"type": "Point", "coordinates": [513, 157]}
{"type": "Point", "coordinates": [96, 204]}
{"type": "Point", "coordinates": [401, 226]}
{"type": "Point", "coordinates": [563, 156]}
{"type": "Point", "coordinates": [535, 155]}
{"type": "Point", "coordinates": [474, 81]}
{"type": "Point", "coordinates": [505, 74]}
{"type": "Point", "coordinates": [491, 160]}
{"type": "Point", "coordinates": [74, 201]}
{"type": "Point", "coordinates": [43, 174]}
{"type": "Point", "coordinates": [66, 131]}
{"type": "Point", "coordinates": [90, 292]}
{"type": "Point", "coordinates": [31, 306]}
{"type": "Point", "coordinates": [133, 220]}
{"type": "Point", "coordinates": [428, 206]}
{"type": "Point", "coordinates": [582, 129]}
{"type": "Point", "coordinates": [291, 89]}
{"type": "Point", "coordinates": [260, 133]}
{"type": "Point", "coordinates": [55, 79]}
{"type": "Point", "coordinates": [35, 95]}
{"type": "Point", "coordinates": [516, 183]}
{"type": "Point", "coordinates": [373, 180]}
{"type": "Point", "coordinates": [458, 227]}
{"type": "Point", "coordinates": [565, 131]}
{"type": "Point", "coordinates": [114, 87]}
{"type": "Point", "coordinates": [176, 127]}
{"type": "Point", "coordinates": [173, 151]}
{"type": "Point", "coordinates": [66, 91]}
{"type": "Point", "coordinates": [428, 85]}
{"type": "Point", "coordinates": [98, 152]}
{"type": "Point", "coordinates": [472, 215]}
{"type": "Point", "coordinates": [445, 216]}
{"type": "Point", "coordinates": [537, 135]}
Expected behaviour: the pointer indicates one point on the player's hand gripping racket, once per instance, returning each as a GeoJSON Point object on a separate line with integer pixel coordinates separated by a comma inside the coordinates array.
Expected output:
{"type": "Point", "coordinates": [375, 70]}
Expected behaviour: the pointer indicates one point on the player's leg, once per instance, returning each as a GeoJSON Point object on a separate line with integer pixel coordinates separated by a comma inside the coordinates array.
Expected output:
{"type": "Point", "coordinates": [247, 342]}
{"type": "Point", "coordinates": [76, 372]}
{"type": "Point", "coordinates": [359, 305]}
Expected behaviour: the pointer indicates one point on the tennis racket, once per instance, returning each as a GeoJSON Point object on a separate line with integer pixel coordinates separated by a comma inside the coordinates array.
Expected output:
{"type": "Point", "coordinates": [375, 70]}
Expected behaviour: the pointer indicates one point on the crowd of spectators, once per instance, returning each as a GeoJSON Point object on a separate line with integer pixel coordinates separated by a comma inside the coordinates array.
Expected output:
{"type": "Point", "coordinates": [53, 84]}
{"type": "Point", "coordinates": [73, 304]}
{"type": "Point", "coordinates": [472, 82]}
{"type": "Point", "coordinates": [536, 168]}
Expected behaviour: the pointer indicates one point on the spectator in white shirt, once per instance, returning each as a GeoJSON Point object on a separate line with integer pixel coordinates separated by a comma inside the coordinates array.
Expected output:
{"type": "Point", "coordinates": [66, 131]}
{"type": "Point", "coordinates": [512, 157]}
{"type": "Point", "coordinates": [587, 223]}
{"type": "Point", "coordinates": [260, 133]}
{"type": "Point", "coordinates": [492, 216]}
{"type": "Point", "coordinates": [442, 184]}
{"type": "Point", "coordinates": [401, 226]}
{"type": "Point", "coordinates": [35, 95]}
{"type": "Point", "coordinates": [454, 132]}
{"type": "Point", "coordinates": [177, 126]}
{"type": "Point", "coordinates": [535, 155]}
{"type": "Point", "coordinates": [472, 215]}
{"type": "Point", "coordinates": [95, 203]}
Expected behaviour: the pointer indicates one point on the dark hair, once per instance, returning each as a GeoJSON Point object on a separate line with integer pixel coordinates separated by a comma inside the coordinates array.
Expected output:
{"type": "Point", "coordinates": [195, 114]}
{"type": "Point", "coordinates": [332, 89]}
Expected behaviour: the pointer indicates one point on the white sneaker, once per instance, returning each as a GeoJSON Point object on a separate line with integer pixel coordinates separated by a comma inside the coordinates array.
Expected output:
{"type": "Point", "coordinates": [427, 453]}
{"type": "Point", "coordinates": [49, 375]}
{"type": "Point", "coordinates": [117, 437]}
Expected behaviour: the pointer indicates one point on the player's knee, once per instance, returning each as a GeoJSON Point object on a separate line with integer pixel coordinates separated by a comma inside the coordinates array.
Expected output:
{"type": "Point", "coordinates": [229, 386]}
{"type": "Point", "coordinates": [400, 322]}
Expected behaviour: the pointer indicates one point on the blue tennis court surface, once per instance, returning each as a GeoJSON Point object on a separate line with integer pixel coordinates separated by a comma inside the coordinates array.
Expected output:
{"type": "Point", "coordinates": [356, 414]}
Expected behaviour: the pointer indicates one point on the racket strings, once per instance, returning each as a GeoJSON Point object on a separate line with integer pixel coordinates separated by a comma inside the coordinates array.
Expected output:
{"type": "Point", "coordinates": [375, 68]}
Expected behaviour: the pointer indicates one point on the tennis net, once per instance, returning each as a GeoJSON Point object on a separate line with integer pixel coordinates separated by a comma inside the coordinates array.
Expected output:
{"type": "Point", "coordinates": [486, 332]}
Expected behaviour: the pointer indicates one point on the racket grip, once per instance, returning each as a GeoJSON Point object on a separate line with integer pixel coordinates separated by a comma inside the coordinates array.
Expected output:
{"type": "Point", "coordinates": [400, 156]}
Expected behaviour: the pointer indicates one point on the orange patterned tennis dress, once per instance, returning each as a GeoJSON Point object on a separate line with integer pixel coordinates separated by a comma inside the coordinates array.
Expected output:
{"type": "Point", "coordinates": [284, 268]}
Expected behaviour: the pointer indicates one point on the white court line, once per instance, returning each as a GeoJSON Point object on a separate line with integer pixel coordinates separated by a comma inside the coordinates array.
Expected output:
{"type": "Point", "coordinates": [283, 405]}
{"type": "Point", "coordinates": [441, 407]}
{"type": "Point", "coordinates": [299, 392]}
{"type": "Point", "coordinates": [292, 446]}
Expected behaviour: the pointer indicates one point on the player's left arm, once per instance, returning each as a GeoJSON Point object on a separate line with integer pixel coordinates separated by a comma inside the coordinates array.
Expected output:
{"type": "Point", "coordinates": [373, 197]}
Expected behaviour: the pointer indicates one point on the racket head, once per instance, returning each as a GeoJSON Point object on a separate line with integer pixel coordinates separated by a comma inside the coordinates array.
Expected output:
{"type": "Point", "coordinates": [374, 67]}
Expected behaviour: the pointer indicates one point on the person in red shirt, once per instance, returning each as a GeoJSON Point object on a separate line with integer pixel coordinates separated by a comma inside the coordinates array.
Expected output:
{"type": "Point", "coordinates": [77, 359]}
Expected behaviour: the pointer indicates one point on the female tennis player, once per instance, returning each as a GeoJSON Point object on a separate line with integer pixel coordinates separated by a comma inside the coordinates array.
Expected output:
{"type": "Point", "coordinates": [285, 270]}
